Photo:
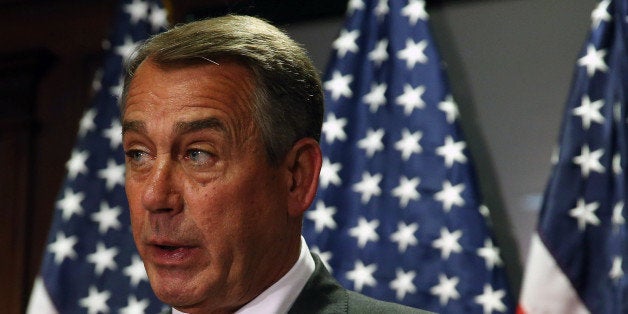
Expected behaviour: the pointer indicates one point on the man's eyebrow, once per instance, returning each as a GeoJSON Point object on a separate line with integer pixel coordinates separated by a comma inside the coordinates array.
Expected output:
{"type": "Point", "coordinates": [197, 125]}
{"type": "Point", "coordinates": [133, 126]}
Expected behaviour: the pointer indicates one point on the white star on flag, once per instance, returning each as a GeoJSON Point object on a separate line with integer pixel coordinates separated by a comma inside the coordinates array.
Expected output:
{"type": "Point", "coordinates": [448, 242]}
{"type": "Point", "coordinates": [585, 214]}
{"type": "Point", "coordinates": [600, 14]}
{"type": "Point", "coordinates": [490, 254]}
{"type": "Point", "coordinates": [322, 216]}
{"type": "Point", "coordinates": [450, 195]}
{"type": "Point", "coordinates": [63, 247]}
{"type": "Point", "coordinates": [589, 161]}
{"type": "Point", "coordinates": [136, 271]}
{"type": "Point", "coordinates": [381, 9]}
{"type": "Point", "coordinates": [339, 85]}
{"type": "Point", "coordinates": [114, 134]}
{"type": "Point", "coordinates": [491, 300]}
{"type": "Point", "coordinates": [415, 10]}
{"type": "Point", "coordinates": [329, 173]}
{"type": "Point", "coordinates": [87, 122]}
{"type": "Point", "coordinates": [593, 60]}
{"type": "Point", "coordinates": [70, 204]}
{"type": "Point", "coordinates": [618, 215]}
{"type": "Point", "coordinates": [346, 42]}
{"type": "Point", "coordinates": [138, 10]}
{"type": "Point", "coordinates": [107, 217]}
{"type": "Point", "coordinates": [446, 289]}
{"type": "Point", "coordinates": [411, 99]}
{"type": "Point", "coordinates": [404, 236]}
{"type": "Point", "coordinates": [365, 231]}
{"type": "Point", "coordinates": [354, 5]}
{"type": "Point", "coordinates": [362, 275]}
{"type": "Point", "coordinates": [413, 53]}
{"type": "Point", "coordinates": [452, 151]}
{"type": "Point", "coordinates": [406, 191]}
{"type": "Point", "coordinates": [450, 108]}
{"type": "Point", "coordinates": [333, 128]}
{"type": "Point", "coordinates": [368, 187]}
{"type": "Point", "coordinates": [372, 143]}
{"type": "Point", "coordinates": [409, 143]}
{"type": "Point", "coordinates": [113, 174]}
{"type": "Point", "coordinates": [402, 284]}
{"type": "Point", "coordinates": [134, 306]}
{"type": "Point", "coordinates": [103, 258]}
{"type": "Point", "coordinates": [616, 269]}
{"type": "Point", "coordinates": [127, 48]}
{"type": "Point", "coordinates": [376, 97]}
{"type": "Point", "coordinates": [589, 111]}
{"type": "Point", "coordinates": [617, 170]}
{"type": "Point", "coordinates": [96, 301]}
{"type": "Point", "coordinates": [76, 164]}
{"type": "Point", "coordinates": [158, 18]}
{"type": "Point", "coordinates": [379, 54]}
{"type": "Point", "coordinates": [116, 90]}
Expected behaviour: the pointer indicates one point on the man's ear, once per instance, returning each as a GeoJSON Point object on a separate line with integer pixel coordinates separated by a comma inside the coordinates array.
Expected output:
{"type": "Point", "coordinates": [303, 162]}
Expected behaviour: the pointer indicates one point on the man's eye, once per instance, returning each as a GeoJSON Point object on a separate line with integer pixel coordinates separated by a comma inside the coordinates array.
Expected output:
{"type": "Point", "coordinates": [198, 157]}
{"type": "Point", "coordinates": [136, 156]}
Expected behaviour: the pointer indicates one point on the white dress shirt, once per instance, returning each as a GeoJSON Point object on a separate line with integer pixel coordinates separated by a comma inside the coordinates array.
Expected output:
{"type": "Point", "coordinates": [279, 297]}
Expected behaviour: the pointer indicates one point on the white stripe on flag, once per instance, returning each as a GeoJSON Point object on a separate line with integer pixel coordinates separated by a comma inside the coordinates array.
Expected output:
{"type": "Point", "coordinates": [40, 302]}
{"type": "Point", "coordinates": [545, 287]}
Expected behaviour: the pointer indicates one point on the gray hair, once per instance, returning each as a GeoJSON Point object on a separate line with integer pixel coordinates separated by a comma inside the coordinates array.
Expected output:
{"type": "Point", "coordinates": [287, 103]}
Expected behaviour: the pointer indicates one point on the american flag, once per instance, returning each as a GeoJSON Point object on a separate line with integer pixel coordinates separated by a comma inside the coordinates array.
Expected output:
{"type": "Point", "coordinates": [399, 216]}
{"type": "Point", "coordinates": [576, 261]}
{"type": "Point", "coordinates": [90, 264]}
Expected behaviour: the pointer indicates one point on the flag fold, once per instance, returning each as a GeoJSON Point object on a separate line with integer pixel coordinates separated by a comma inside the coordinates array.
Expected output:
{"type": "Point", "coordinates": [576, 261]}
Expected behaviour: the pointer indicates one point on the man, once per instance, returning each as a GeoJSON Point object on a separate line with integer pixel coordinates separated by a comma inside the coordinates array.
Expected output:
{"type": "Point", "coordinates": [221, 122]}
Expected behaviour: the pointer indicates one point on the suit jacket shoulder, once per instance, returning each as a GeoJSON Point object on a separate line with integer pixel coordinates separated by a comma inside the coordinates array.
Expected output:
{"type": "Point", "coordinates": [323, 294]}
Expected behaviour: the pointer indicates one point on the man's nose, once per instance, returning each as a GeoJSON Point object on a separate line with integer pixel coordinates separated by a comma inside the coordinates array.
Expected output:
{"type": "Point", "coordinates": [162, 193]}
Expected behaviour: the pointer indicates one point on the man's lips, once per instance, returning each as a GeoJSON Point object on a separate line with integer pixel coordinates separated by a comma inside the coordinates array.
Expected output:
{"type": "Point", "coordinates": [168, 253]}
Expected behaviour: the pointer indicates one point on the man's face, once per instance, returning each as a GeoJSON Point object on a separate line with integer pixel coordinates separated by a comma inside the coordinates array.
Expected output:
{"type": "Point", "coordinates": [209, 214]}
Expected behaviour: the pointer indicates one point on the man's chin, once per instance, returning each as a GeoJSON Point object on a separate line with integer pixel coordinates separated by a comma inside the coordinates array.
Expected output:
{"type": "Point", "coordinates": [180, 297]}
{"type": "Point", "coordinates": [173, 287]}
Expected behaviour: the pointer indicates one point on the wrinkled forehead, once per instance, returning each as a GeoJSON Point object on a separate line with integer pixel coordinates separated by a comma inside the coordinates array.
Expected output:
{"type": "Point", "coordinates": [191, 92]}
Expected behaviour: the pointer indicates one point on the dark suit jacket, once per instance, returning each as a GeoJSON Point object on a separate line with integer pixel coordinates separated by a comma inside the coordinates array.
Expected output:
{"type": "Point", "coordinates": [323, 294]}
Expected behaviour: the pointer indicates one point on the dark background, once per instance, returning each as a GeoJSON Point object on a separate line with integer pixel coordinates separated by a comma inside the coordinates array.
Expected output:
{"type": "Point", "coordinates": [509, 63]}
